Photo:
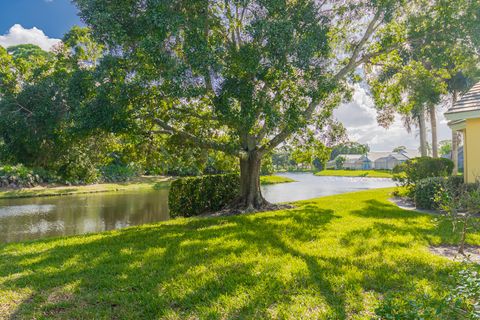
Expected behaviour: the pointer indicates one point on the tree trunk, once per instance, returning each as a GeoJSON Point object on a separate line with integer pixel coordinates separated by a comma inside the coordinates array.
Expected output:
{"type": "Point", "coordinates": [455, 141]}
{"type": "Point", "coordinates": [251, 197]}
{"type": "Point", "coordinates": [433, 121]}
{"type": "Point", "coordinates": [423, 133]}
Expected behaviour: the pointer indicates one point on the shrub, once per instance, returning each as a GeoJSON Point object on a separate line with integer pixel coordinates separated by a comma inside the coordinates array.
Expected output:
{"type": "Point", "coordinates": [120, 173]}
{"type": "Point", "coordinates": [19, 176]}
{"type": "Point", "coordinates": [460, 302]}
{"type": "Point", "coordinates": [427, 189]}
{"type": "Point", "coordinates": [463, 301]}
{"type": "Point", "coordinates": [196, 195]}
{"type": "Point", "coordinates": [461, 208]}
{"type": "Point", "coordinates": [414, 170]}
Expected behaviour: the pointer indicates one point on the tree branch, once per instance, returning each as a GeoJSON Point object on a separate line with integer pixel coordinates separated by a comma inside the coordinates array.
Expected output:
{"type": "Point", "coordinates": [352, 62]}
{"type": "Point", "coordinates": [201, 143]}
{"type": "Point", "coordinates": [282, 135]}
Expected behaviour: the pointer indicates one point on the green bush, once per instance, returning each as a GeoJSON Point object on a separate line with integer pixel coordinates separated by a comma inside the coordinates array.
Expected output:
{"type": "Point", "coordinates": [196, 195]}
{"type": "Point", "coordinates": [460, 302]}
{"type": "Point", "coordinates": [414, 170]}
{"type": "Point", "coordinates": [120, 173]}
{"type": "Point", "coordinates": [19, 176]}
{"type": "Point", "coordinates": [427, 189]}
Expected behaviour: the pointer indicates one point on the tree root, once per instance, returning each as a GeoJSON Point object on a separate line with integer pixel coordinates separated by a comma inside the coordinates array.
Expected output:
{"type": "Point", "coordinates": [235, 210]}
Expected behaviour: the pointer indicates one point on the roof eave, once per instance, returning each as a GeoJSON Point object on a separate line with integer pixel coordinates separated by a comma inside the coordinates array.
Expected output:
{"type": "Point", "coordinates": [462, 115]}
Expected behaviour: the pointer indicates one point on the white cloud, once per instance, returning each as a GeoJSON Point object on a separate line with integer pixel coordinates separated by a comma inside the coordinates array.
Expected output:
{"type": "Point", "coordinates": [359, 117]}
{"type": "Point", "coordinates": [20, 35]}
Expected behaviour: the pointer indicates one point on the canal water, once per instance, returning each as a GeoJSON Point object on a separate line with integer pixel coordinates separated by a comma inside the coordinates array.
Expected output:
{"type": "Point", "coordinates": [41, 217]}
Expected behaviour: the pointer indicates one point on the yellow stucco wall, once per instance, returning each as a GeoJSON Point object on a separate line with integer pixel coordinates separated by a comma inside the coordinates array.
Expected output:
{"type": "Point", "coordinates": [472, 150]}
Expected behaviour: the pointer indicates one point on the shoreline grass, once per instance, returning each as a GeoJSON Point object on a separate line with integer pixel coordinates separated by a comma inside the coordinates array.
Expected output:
{"type": "Point", "coordinates": [273, 179]}
{"type": "Point", "coordinates": [334, 257]}
{"type": "Point", "coordinates": [356, 173]}
{"type": "Point", "coordinates": [139, 183]}
{"type": "Point", "coordinates": [136, 184]}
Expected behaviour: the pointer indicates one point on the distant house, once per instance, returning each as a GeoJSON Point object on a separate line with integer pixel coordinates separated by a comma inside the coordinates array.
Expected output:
{"type": "Point", "coordinates": [373, 160]}
{"type": "Point", "coordinates": [331, 165]}
{"type": "Point", "coordinates": [355, 162]}
{"type": "Point", "coordinates": [390, 161]}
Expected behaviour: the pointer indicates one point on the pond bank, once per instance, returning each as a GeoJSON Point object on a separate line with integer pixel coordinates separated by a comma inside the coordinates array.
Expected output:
{"type": "Point", "coordinates": [356, 173]}
{"type": "Point", "coordinates": [140, 183]}
{"type": "Point", "coordinates": [145, 182]}
{"type": "Point", "coordinates": [274, 179]}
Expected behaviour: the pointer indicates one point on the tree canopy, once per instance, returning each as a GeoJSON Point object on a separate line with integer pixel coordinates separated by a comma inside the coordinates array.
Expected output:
{"type": "Point", "coordinates": [240, 76]}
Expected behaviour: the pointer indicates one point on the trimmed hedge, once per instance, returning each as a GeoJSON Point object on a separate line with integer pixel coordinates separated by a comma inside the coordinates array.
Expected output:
{"type": "Point", "coordinates": [427, 189]}
{"type": "Point", "coordinates": [196, 195]}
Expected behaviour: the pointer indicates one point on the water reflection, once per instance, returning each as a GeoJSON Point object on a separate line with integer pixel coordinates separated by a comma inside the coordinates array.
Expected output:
{"type": "Point", "coordinates": [34, 218]}
{"type": "Point", "coordinates": [309, 186]}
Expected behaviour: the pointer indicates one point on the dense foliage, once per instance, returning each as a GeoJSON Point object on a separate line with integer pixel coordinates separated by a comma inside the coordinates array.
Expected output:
{"type": "Point", "coordinates": [427, 189]}
{"type": "Point", "coordinates": [196, 195]}
{"type": "Point", "coordinates": [349, 148]}
{"type": "Point", "coordinates": [414, 170]}
{"type": "Point", "coordinates": [19, 177]}
{"type": "Point", "coordinates": [46, 120]}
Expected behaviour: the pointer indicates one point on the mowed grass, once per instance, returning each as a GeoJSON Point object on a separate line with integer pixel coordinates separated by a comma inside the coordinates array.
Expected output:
{"type": "Point", "coordinates": [264, 180]}
{"type": "Point", "coordinates": [356, 173]}
{"type": "Point", "coordinates": [46, 191]}
{"type": "Point", "coordinates": [329, 258]}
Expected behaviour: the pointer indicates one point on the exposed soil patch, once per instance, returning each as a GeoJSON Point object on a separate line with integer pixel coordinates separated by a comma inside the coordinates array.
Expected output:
{"type": "Point", "coordinates": [233, 212]}
{"type": "Point", "coordinates": [472, 253]}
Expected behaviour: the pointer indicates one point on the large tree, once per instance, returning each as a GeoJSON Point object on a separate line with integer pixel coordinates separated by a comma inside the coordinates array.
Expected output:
{"type": "Point", "coordinates": [239, 76]}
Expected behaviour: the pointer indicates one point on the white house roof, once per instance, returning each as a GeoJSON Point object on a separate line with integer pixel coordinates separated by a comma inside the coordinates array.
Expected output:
{"type": "Point", "coordinates": [377, 155]}
{"type": "Point", "coordinates": [411, 153]}
{"type": "Point", "coordinates": [468, 106]}
{"type": "Point", "coordinates": [400, 156]}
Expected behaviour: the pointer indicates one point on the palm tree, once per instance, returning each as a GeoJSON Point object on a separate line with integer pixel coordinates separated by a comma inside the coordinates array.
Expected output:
{"type": "Point", "coordinates": [433, 122]}
{"type": "Point", "coordinates": [417, 118]}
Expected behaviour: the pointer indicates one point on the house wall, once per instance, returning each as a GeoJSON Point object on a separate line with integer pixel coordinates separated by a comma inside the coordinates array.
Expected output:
{"type": "Point", "coordinates": [387, 163]}
{"type": "Point", "coordinates": [472, 150]}
{"type": "Point", "coordinates": [381, 163]}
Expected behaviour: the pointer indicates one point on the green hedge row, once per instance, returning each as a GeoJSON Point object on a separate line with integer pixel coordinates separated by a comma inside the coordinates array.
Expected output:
{"type": "Point", "coordinates": [196, 195]}
{"type": "Point", "coordinates": [427, 189]}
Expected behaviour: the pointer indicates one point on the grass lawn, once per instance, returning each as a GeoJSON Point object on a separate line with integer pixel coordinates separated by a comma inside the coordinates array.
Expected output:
{"type": "Point", "coordinates": [329, 258]}
{"type": "Point", "coordinates": [356, 173]}
{"type": "Point", "coordinates": [274, 180]}
{"type": "Point", "coordinates": [137, 184]}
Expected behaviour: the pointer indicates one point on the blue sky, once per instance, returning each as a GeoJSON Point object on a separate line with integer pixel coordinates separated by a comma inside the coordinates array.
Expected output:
{"type": "Point", "coordinates": [54, 17]}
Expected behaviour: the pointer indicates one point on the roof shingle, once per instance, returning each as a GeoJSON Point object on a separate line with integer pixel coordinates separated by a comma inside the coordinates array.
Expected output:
{"type": "Point", "coordinates": [470, 101]}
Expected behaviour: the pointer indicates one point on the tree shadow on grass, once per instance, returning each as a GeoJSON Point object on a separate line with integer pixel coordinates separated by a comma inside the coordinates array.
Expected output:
{"type": "Point", "coordinates": [200, 268]}
{"type": "Point", "coordinates": [440, 229]}
{"type": "Point", "coordinates": [134, 273]}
